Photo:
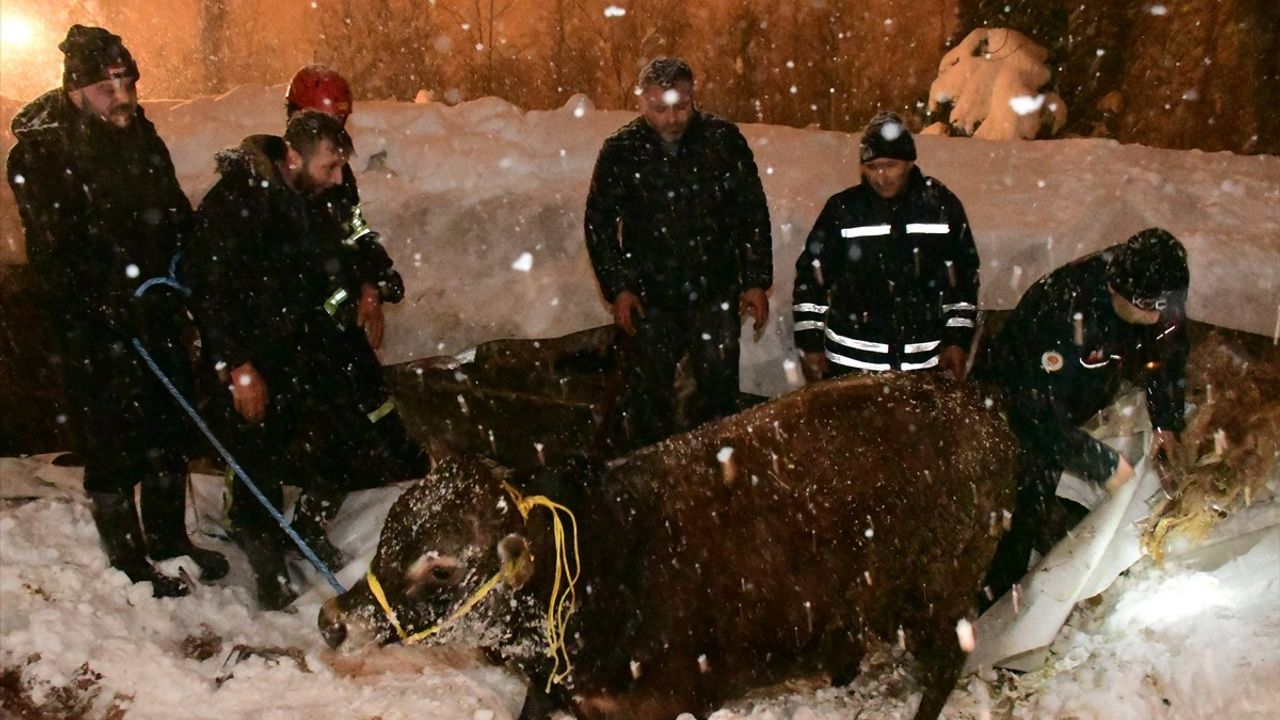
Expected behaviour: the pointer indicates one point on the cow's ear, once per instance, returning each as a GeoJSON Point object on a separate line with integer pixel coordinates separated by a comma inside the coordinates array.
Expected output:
{"type": "Point", "coordinates": [517, 560]}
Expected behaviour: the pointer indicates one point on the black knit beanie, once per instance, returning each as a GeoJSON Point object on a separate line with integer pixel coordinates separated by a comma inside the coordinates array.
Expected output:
{"type": "Point", "coordinates": [887, 137]}
{"type": "Point", "coordinates": [93, 55]}
{"type": "Point", "coordinates": [1150, 265]}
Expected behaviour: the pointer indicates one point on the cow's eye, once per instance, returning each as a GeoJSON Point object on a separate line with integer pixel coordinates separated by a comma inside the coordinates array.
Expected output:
{"type": "Point", "coordinates": [434, 570]}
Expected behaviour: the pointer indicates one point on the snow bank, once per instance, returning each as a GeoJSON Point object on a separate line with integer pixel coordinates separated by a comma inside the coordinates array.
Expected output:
{"type": "Point", "coordinates": [461, 193]}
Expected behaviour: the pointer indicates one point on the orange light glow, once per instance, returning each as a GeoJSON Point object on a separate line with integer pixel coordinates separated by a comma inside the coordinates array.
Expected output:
{"type": "Point", "coordinates": [16, 33]}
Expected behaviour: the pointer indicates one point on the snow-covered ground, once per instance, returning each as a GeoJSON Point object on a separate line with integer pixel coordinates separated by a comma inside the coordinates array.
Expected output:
{"type": "Point", "coordinates": [1198, 638]}
{"type": "Point", "coordinates": [461, 194]}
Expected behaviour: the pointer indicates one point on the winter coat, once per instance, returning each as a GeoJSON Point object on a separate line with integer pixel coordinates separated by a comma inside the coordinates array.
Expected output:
{"type": "Point", "coordinates": [1062, 356]}
{"type": "Point", "coordinates": [350, 262]}
{"type": "Point", "coordinates": [259, 288]}
{"type": "Point", "coordinates": [886, 284]}
{"type": "Point", "coordinates": [103, 213]}
{"type": "Point", "coordinates": [102, 209]}
{"type": "Point", "coordinates": [694, 224]}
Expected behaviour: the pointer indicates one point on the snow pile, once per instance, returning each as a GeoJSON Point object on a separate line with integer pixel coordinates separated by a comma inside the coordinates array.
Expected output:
{"type": "Point", "coordinates": [77, 636]}
{"type": "Point", "coordinates": [992, 82]}
{"type": "Point", "coordinates": [462, 193]}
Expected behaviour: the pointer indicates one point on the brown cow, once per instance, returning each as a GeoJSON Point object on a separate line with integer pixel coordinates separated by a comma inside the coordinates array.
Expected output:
{"type": "Point", "coordinates": [765, 546]}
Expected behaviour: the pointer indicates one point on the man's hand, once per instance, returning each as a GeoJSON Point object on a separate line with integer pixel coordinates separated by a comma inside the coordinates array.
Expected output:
{"type": "Point", "coordinates": [951, 362]}
{"type": "Point", "coordinates": [249, 391]}
{"type": "Point", "coordinates": [625, 306]}
{"type": "Point", "coordinates": [755, 303]}
{"type": "Point", "coordinates": [369, 314]}
{"type": "Point", "coordinates": [1122, 474]}
{"type": "Point", "coordinates": [814, 366]}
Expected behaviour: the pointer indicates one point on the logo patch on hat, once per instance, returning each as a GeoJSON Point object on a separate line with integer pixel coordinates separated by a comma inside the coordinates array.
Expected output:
{"type": "Point", "coordinates": [1096, 359]}
{"type": "Point", "coordinates": [1051, 361]}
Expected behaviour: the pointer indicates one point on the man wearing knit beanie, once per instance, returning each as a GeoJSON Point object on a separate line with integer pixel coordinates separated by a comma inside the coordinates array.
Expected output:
{"type": "Point", "coordinates": [1060, 358]}
{"type": "Point", "coordinates": [888, 279]}
{"type": "Point", "coordinates": [103, 212]}
{"type": "Point", "coordinates": [99, 75]}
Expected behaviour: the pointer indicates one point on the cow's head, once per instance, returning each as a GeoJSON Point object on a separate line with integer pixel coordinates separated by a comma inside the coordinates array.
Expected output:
{"type": "Point", "coordinates": [443, 541]}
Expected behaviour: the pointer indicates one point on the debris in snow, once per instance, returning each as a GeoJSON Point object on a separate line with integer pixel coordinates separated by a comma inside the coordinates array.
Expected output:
{"type": "Point", "coordinates": [964, 633]}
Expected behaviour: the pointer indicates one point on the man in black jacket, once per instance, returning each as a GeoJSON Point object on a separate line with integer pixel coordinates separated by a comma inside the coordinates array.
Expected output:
{"type": "Point", "coordinates": [1061, 357]}
{"type": "Point", "coordinates": [358, 277]}
{"type": "Point", "coordinates": [103, 213]}
{"type": "Point", "coordinates": [888, 279]}
{"type": "Point", "coordinates": [678, 232]}
{"type": "Point", "coordinates": [251, 269]}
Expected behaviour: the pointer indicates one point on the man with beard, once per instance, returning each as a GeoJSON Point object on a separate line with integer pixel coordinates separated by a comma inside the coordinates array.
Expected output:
{"type": "Point", "coordinates": [103, 212]}
{"type": "Point", "coordinates": [250, 267]}
{"type": "Point", "coordinates": [354, 276]}
{"type": "Point", "coordinates": [678, 232]}
{"type": "Point", "coordinates": [888, 279]}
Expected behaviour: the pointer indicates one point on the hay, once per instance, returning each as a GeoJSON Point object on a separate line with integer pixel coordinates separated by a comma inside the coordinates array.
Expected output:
{"type": "Point", "coordinates": [1229, 455]}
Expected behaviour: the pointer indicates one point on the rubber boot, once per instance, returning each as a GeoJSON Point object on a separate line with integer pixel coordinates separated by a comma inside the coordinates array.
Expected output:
{"type": "Point", "coordinates": [116, 516]}
{"type": "Point", "coordinates": [263, 548]}
{"type": "Point", "coordinates": [164, 517]}
{"type": "Point", "coordinates": [311, 521]}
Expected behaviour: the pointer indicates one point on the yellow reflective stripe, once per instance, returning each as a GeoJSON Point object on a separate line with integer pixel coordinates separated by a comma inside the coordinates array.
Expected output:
{"type": "Point", "coordinates": [338, 297]}
{"type": "Point", "coordinates": [382, 411]}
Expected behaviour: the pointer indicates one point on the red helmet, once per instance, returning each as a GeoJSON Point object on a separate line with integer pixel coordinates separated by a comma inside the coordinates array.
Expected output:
{"type": "Point", "coordinates": [319, 87]}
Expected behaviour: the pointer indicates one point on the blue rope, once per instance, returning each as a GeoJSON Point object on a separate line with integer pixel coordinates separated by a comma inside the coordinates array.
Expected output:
{"type": "Point", "coordinates": [222, 450]}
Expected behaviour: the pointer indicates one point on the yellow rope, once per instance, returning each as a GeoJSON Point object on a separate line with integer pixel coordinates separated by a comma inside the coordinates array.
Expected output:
{"type": "Point", "coordinates": [559, 607]}
{"type": "Point", "coordinates": [562, 602]}
{"type": "Point", "coordinates": [381, 597]}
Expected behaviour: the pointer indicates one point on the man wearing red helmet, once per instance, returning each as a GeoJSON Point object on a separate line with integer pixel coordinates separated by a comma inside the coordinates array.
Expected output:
{"type": "Point", "coordinates": [354, 277]}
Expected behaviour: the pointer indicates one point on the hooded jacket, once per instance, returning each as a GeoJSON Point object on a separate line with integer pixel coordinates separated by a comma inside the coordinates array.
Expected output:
{"type": "Point", "coordinates": [258, 285]}
{"type": "Point", "coordinates": [683, 227]}
{"type": "Point", "coordinates": [102, 210]}
{"type": "Point", "coordinates": [103, 213]}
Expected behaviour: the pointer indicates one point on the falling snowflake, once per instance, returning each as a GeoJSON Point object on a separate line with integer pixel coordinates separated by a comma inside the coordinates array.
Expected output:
{"type": "Point", "coordinates": [524, 263]}
{"type": "Point", "coordinates": [1025, 104]}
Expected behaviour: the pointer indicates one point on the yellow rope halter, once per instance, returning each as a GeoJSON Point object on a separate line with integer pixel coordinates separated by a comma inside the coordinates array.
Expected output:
{"type": "Point", "coordinates": [559, 607]}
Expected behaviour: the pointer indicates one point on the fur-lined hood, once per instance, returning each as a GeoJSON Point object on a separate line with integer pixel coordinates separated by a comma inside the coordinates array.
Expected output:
{"type": "Point", "coordinates": [258, 156]}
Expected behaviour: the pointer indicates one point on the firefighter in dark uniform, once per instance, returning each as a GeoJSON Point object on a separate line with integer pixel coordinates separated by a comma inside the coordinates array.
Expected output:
{"type": "Point", "coordinates": [103, 213]}
{"type": "Point", "coordinates": [1075, 335]}
{"type": "Point", "coordinates": [678, 232]}
{"type": "Point", "coordinates": [355, 277]}
{"type": "Point", "coordinates": [888, 279]}
{"type": "Point", "coordinates": [250, 267]}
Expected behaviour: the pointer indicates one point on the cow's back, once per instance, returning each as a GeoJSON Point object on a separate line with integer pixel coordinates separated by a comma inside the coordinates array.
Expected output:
{"type": "Point", "coordinates": [775, 541]}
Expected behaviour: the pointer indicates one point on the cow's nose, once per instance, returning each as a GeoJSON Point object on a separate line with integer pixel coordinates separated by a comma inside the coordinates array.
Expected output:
{"type": "Point", "coordinates": [332, 627]}
{"type": "Point", "coordinates": [334, 634]}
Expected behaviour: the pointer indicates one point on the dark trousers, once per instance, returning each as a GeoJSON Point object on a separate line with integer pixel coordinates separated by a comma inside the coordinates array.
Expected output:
{"type": "Point", "coordinates": [128, 427]}
{"type": "Point", "coordinates": [262, 451]}
{"type": "Point", "coordinates": [1040, 520]}
{"type": "Point", "coordinates": [708, 335]}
